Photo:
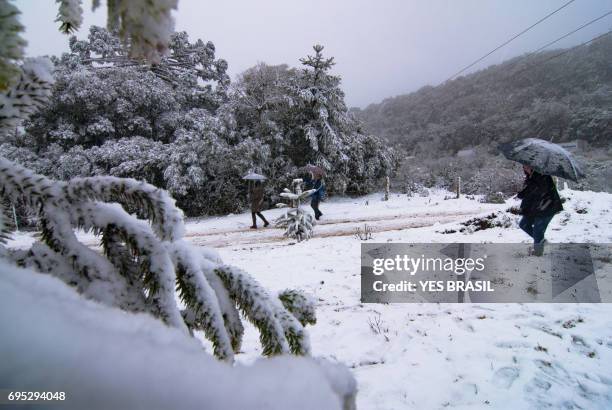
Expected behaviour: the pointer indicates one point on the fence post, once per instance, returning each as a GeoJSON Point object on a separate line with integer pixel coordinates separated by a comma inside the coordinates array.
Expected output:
{"type": "Point", "coordinates": [387, 188]}
{"type": "Point", "coordinates": [458, 187]}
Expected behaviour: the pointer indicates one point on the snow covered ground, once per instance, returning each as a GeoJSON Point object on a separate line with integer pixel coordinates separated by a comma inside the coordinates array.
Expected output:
{"type": "Point", "coordinates": [430, 356]}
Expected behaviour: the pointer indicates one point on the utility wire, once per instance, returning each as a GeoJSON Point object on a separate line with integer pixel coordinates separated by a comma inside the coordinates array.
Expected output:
{"type": "Point", "coordinates": [512, 39]}
{"type": "Point", "coordinates": [566, 51]}
{"type": "Point", "coordinates": [571, 32]}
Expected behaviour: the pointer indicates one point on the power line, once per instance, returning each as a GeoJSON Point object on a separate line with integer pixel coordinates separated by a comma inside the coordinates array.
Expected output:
{"type": "Point", "coordinates": [512, 39]}
{"type": "Point", "coordinates": [566, 51]}
{"type": "Point", "coordinates": [571, 32]}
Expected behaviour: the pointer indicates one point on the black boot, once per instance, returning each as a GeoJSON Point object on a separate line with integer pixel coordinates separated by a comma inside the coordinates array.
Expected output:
{"type": "Point", "coordinates": [265, 221]}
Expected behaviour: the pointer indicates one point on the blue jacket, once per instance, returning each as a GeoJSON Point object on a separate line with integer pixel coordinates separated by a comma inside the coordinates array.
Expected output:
{"type": "Point", "coordinates": [320, 189]}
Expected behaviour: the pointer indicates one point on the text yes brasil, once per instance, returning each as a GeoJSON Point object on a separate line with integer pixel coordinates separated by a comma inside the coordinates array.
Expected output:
{"type": "Point", "coordinates": [411, 266]}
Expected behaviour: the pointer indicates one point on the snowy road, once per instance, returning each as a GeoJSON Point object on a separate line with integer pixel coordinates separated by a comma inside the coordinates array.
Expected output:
{"type": "Point", "coordinates": [329, 228]}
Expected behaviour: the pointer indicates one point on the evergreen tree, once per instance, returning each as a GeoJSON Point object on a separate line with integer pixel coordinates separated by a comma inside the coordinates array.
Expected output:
{"type": "Point", "coordinates": [298, 224]}
{"type": "Point", "coordinates": [302, 116]}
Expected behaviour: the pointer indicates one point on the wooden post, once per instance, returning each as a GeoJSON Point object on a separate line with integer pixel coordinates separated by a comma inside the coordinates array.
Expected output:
{"type": "Point", "coordinates": [458, 187]}
{"type": "Point", "coordinates": [387, 188]}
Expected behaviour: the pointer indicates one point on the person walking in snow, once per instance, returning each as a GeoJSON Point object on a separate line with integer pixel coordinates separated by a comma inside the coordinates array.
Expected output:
{"type": "Point", "coordinates": [315, 182]}
{"type": "Point", "coordinates": [540, 202]}
{"type": "Point", "coordinates": [256, 195]}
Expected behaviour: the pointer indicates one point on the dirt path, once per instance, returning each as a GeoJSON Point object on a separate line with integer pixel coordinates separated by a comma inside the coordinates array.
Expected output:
{"type": "Point", "coordinates": [329, 228]}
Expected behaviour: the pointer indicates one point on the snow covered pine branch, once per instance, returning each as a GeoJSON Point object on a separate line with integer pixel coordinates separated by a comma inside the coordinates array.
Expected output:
{"type": "Point", "coordinates": [143, 263]}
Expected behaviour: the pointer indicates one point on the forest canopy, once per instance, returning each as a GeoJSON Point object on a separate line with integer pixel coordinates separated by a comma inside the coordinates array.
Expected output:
{"type": "Point", "coordinates": [181, 125]}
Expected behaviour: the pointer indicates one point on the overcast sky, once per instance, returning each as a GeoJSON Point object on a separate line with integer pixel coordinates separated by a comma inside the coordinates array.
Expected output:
{"type": "Point", "coordinates": [382, 48]}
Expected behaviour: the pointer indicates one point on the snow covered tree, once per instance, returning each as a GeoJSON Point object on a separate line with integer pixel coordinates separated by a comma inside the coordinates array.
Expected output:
{"type": "Point", "coordinates": [145, 24]}
{"type": "Point", "coordinates": [191, 68]}
{"type": "Point", "coordinates": [112, 115]}
{"type": "Point", "coordinates": [298, 224]}
{"type": "Point", "coordinates": [101, 93]}
{"type": "Point", "coordinates": [143, 263]}
{"type": "Point", "coordinates": [301, 115]}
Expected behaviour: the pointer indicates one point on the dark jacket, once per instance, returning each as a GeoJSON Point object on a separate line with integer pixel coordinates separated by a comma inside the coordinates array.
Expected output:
{"type": "Point", "coordinates": [318, 185]}
{"type": "Point", "coordinates": [256, 194]}
{"type": "Point", "coordinates": [539, 196]}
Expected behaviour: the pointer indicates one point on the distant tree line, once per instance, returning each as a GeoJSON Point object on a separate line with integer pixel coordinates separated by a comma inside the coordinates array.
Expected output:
{"type": "Point", "coordinates": [540, 95]}
{"type": "Point", "coordinates": [557, 99]}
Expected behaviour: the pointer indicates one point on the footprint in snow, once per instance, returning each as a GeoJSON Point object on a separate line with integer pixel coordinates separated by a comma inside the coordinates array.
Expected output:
{"type": "Point", "coordinates": [513, 345]}
{"type": "Point", "coordinates": [537, 386]}
{"type": "Point", "coordinates": [505, 376]}
{"type": "Point", "coordinates": [553, 372]}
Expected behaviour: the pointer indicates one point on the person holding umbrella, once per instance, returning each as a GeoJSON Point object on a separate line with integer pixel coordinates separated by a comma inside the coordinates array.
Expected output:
{"type": "Point", "coordinates": [540, 202]}
{"type": "Point", "coordinates": [256, 197]}
{"type": "Point", "coordinates": [540, 199]}
{"type": "Point", "coordinates": [314, 180]}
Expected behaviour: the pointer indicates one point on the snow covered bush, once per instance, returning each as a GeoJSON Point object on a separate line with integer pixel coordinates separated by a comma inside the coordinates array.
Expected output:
{"type": "Point", "coordinates": [496, 177]}
{"type": "Point", "coordinates": [143, 263]}
{"type": "Point", "coordinates": [298, 223]}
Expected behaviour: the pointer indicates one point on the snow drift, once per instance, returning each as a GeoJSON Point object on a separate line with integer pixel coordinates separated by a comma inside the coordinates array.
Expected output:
{"type": "Point", "coordinates": [55, 340]}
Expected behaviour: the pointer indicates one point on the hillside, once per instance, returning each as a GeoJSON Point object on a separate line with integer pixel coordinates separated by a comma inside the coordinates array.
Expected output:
{"type": "Point", "coordinates": [560, 98]}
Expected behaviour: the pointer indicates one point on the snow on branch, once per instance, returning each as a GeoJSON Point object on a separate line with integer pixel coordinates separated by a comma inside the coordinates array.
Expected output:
{"type": "Point", "coordinates": [143, 263]}
{"type": "Point", "coordinates": [156, 265]}
{"type": "Point", "coordinates": [300, 305]}
{"type": "Point", "coordinates": [153, 203]}
{"type": "Point", "coordinates": [12, 44]}
{"type": "Point", "coordinates": [279, 331]}
{"type": "Point", "coordinates": [31, 90]}
{"type": "Point", "coordinates": [99, 275]}
{"type": "Point", "coordinates": [229, 310]}
{"type": "Point", "coordinates": [146, 24]}
{"type": "Point", "coordinates": [204, 312]}
{"type": "Point", "coordinates": [70, 15]}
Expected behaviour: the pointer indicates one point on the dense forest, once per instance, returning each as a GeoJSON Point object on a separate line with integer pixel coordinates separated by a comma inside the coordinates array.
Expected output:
{"type": "Point", "coordinates": [181, 125]}
{"type": "Point", "coordinates": [559, 99]}
{"type": "Point", "coordinates": [559, 95]}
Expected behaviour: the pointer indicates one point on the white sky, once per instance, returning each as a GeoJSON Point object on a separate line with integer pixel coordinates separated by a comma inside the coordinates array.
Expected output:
{"type": "Point", "coordinates": [382, 48]}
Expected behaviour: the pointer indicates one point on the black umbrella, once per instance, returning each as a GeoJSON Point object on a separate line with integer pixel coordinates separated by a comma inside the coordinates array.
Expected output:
{"type": "Point", "coordinates": [316, 170]}
{"type": "Point", "coordinates": [544, 157]}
